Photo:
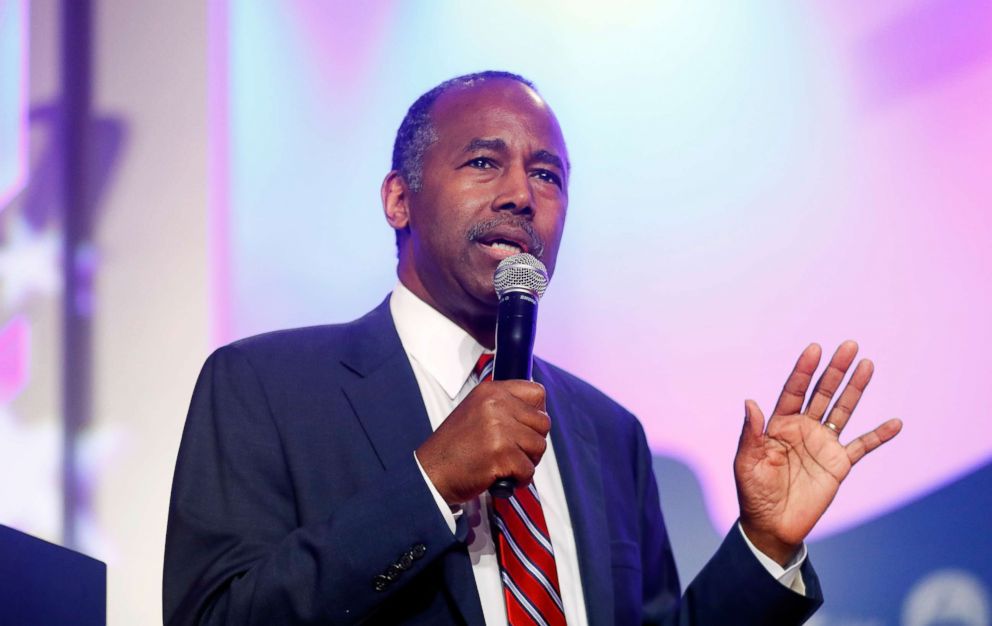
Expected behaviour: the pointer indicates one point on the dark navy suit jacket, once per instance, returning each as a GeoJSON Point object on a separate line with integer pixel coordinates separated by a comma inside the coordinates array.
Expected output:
{"type": "Point", "coordinates": [297, 500]}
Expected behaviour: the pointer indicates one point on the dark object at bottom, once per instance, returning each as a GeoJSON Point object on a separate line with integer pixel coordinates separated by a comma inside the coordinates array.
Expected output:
{"type": "Point", "coordinates": [42, 583]}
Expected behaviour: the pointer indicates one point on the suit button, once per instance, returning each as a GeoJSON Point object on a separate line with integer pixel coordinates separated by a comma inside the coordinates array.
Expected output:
{"type": "Point", "coordinates": [380, 582]}
{"type": "Point", "coordinates": [405, 561]}
{"type": "Point", "coordinates": [392, 572]}
{"type": "Point", "coordinates": [418, 550]}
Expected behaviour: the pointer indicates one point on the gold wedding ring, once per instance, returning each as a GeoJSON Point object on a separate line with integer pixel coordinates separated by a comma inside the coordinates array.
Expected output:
{"type": "Point", "coordinates": [832, 427]}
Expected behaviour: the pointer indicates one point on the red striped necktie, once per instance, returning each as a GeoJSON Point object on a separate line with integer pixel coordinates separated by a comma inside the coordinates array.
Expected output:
{"type": "Point", "coordinates": [523, 545]}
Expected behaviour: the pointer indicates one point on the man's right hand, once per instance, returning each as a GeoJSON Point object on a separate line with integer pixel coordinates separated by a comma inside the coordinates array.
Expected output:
{"type": "Point", "coordinates": [498, 431]}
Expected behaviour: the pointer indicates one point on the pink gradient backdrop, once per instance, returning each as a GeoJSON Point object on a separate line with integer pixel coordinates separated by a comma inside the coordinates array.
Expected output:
{"type": "Point", "coordinates": [747, 180]}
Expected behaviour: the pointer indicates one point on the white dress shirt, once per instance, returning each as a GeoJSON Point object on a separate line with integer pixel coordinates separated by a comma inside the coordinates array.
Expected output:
{"type": "Point", "coordinates": [443, 356]}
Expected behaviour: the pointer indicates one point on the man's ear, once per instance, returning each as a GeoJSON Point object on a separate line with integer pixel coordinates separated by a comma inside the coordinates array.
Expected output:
{"type": "Point", "coordinates": [395, 200]}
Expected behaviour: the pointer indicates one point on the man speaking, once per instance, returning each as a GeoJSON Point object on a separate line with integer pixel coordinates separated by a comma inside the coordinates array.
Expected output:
{"type": "Point", "coordinates": [340, 474]}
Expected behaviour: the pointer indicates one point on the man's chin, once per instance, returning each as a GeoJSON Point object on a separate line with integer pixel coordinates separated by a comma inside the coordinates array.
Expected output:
{"type": "Point", "coordinates": [483, 294]}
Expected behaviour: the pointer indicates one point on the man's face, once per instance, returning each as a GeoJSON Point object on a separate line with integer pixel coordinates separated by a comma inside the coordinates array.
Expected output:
{"type": "Point", "coordinates": [494, 184]}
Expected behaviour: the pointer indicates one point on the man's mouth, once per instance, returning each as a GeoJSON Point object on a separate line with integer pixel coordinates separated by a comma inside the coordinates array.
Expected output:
{"type": "Point", "coordinates": [505, 246]}
{"type": "Point", "coordinates": [504, 237]}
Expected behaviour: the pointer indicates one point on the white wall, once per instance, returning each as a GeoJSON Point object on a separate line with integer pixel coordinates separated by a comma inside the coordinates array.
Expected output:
{"type": "Point", "coordinates": [151, 321]}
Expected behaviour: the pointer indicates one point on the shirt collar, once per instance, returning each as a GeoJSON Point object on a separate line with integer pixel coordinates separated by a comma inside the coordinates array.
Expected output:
{"type": "Point", "coordinates": [440, 346]}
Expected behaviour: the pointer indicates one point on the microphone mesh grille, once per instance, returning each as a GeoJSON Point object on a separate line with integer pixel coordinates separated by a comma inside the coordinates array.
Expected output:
{"type": "Point", "coordinates": [521, 272]}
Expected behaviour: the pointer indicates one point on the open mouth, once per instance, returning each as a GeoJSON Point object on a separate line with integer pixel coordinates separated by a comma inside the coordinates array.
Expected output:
{"type": "Point", "coordinates": [505, 245]}
{"type": "Point", "coordinates": [503, 237]}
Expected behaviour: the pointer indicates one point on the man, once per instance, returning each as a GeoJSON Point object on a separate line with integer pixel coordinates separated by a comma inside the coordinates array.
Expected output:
{"type": "Point", "coordinates": [310, 487]}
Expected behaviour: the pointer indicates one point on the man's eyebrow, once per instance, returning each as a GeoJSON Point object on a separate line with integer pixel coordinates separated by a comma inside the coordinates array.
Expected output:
{"type": "Point", "coordinates": [543, 156]}
{"type": "Point", "coordinates": [496, 145]}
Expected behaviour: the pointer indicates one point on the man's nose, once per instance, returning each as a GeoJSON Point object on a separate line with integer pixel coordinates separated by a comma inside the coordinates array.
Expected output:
{"type": "Point", "coordinates": [515, 193]}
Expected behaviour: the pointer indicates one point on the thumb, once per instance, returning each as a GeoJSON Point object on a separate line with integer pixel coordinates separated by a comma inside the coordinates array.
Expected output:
{"type": "Point", "coordinates": [754, 424]}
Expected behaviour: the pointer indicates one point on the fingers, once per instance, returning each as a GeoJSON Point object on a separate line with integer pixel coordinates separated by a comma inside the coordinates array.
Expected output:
{"type": "Point", "coordinates": [525, 402]}
{"type": "Point", "coordinates": [529, 393]}
{"type": "Point", "coordinates": [497, 431]}
{"type": "Point", "coordinates": [857, 449]}
{"type": "Point", "coordinates": [532, 444]}
{"type": "Point", "coordinates": [516, 451]}
{"type": "Point", "coordinates": [753, 432]}
{"type": "Point", "coordinates": [525, 435]}
{"type": "Point", "coordinates": [830, 380]}
{"type": "Point", "coordinates": [794, 391]}
{"type": "Point", "coordinates": [845, 405]}
{"type": "Point", "coordinates": [754, 421]}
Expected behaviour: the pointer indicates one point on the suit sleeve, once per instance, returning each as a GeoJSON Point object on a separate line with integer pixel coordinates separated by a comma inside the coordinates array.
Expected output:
{"type": "Point", "coordinates": [235, 553]}
{"type": "Point", "coordinates": [732, 588]}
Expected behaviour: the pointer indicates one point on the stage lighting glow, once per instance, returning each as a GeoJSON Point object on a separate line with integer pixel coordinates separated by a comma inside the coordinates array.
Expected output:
{"type": "Point", "coordinates": [731, 157]}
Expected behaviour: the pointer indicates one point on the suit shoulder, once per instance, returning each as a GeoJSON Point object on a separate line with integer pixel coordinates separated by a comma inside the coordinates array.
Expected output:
{"type": "Point", "coordinates": [299, 350]}
{"type": "Point", "coordinates": [292, 340]}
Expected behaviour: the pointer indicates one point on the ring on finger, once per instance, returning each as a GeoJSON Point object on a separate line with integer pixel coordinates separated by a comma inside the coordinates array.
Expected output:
{"type": "Point", "coordinates": [832, 427]}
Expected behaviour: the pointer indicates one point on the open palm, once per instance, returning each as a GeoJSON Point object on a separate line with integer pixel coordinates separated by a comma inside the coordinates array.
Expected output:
{"type": "Point", "coordinates": [788, 473]}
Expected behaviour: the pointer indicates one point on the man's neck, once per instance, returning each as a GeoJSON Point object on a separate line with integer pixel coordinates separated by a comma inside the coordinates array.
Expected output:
{"type": "Point", "coordinates": [481, 327]}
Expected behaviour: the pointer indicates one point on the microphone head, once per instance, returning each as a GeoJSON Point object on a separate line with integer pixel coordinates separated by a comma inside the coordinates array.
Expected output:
{"type": "Point", "coordinates": [521, 272]}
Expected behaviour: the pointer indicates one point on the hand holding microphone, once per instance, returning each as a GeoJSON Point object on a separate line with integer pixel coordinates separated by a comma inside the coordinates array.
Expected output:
{"type": "Point", "coordinates": [520, 281]}
{"type": "Point", "coordinates": [496, 436]}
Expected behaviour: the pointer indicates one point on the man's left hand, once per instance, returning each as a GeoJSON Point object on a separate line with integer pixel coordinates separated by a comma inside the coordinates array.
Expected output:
{"type": "Point", "coordinates": [788, 474]}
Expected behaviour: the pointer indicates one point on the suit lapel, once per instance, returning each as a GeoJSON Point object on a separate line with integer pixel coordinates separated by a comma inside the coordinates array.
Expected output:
{"type": "Point", "coordinates": [387, 401]}
{"type": "Point", "coordinates": [577, 451]}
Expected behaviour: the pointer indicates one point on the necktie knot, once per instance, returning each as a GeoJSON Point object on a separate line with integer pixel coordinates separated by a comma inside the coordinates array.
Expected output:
{"type": "Point", "coordinates": [483, 369]}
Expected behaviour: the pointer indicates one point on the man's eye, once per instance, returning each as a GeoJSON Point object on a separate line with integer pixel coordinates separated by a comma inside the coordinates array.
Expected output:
{"type": "Point", "coordinates": [549, 177]}
{"type": "Point", "coordinates": [481, 163]}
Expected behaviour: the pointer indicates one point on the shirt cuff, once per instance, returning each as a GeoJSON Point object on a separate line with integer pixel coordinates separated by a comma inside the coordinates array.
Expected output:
{"type": "Point", "coordinates": [790, 575]}
{"type": "Point", "coordinates": [449, 513]}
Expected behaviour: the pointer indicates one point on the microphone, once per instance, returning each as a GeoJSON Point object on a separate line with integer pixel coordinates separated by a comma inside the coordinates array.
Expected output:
{"type": "Point", "coordinates": [520, 281]}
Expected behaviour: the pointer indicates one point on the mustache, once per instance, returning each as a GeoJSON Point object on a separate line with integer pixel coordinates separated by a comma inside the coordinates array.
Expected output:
{"type": "Point", "coordinates": [535, 245]}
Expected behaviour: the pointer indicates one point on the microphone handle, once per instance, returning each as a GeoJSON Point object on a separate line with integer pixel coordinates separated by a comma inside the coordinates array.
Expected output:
{"type": "Point", "coordinates": [516, 326]}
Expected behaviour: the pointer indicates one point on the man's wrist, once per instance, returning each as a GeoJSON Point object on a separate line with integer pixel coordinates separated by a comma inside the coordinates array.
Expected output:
{"type": "Point", "coordinates": [450, 513]}
{"type": "Point", "coordinates": [790, 575]}
{"type": "Point", "coordinates": [775, 549]}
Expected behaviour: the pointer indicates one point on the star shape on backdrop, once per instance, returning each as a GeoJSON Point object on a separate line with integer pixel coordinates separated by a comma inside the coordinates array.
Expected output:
{"type": "Point", "coordinates": [30, 501]}
{"type": "Point", "coordinates": [29, 264]}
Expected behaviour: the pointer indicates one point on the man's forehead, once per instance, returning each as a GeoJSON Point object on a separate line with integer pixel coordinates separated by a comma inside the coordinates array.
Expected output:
{"type": "Point", "coordinates": [493, 92]}
{"type": "Point", "coordinates": [498, 104]}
